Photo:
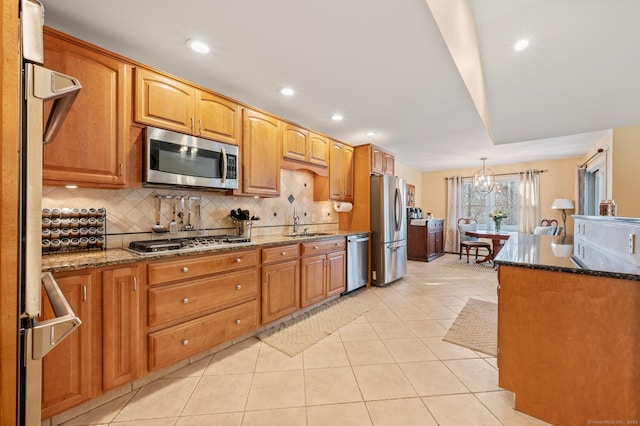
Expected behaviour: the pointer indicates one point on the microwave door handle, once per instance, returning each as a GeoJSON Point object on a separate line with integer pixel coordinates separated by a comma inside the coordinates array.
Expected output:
{"type": "Point", "coordinates": [224, 165]}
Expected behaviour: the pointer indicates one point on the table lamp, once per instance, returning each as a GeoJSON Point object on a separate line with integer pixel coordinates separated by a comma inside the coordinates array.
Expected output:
{"type": "Point", "coordinates": [563, 204]}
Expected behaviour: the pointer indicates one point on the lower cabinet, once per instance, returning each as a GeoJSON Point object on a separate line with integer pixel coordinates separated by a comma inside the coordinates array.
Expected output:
{"type": "Point", "coordinates": [280, 282]}
{"type": "Point", "coordinates": [425, 243]}
{"type": "Point", "coordinates": [323, 270]}
{"type": "Point", "coordinates": [196, 303]}
{"type": "Point", "coordinates": [66, 370]}
{"type": "Point", "coordinates": [121, 346]}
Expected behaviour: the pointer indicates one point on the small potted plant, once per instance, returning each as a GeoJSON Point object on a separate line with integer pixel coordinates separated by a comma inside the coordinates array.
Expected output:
{"type": "Point", "coordinates": [497, 217]}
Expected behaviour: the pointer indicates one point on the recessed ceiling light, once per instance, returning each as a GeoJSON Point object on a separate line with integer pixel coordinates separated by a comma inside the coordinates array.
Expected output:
{"type": "Point", "coordinates": [371, 133]}
{"type": "Point", "coordinates": [287, 91]}
{"type": "Point", "coordinates": [336, 117]}
{"type": "Point", "coordinates": [198, 46]}
{"type": "Point", "coordinates": [521, 44]}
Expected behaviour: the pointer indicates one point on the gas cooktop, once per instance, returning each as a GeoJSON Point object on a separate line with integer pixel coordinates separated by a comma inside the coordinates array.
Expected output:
{"type": "Point", "coordinates": [188, 244]}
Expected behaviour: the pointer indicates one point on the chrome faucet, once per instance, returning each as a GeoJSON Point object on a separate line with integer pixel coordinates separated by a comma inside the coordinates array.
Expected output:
{"type": "Point", "coordinates": [296, 220]}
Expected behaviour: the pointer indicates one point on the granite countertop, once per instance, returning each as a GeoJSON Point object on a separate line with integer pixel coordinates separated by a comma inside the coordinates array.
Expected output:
{"type": "Point", "coordinates": [95, 259]}
{"type": "Point", "coordinates": [553, 253]}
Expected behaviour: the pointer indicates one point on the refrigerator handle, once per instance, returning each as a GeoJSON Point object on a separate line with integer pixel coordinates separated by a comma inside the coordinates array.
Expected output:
{"type": "Point", "coordinates": [397, 210]}
{"type": "Point", "coordinates": [47, 334]}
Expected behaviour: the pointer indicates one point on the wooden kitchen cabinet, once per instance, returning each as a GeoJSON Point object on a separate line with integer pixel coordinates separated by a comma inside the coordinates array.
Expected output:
{"type": "Point", "coordinates": [91, 148]}
{"type": "Point", "coordinates": [66, 370]}
{"type": "Point", "coordinates": [121, 343]}
{"type": "Point", "coordinates": [168, 103]}
{"type": "Point", "coordinates": [426, 243]}
{"type": "Point", "coordinates": [280, 282]}
{"type": "Point", "coordinates": [323, 270]}
{"type": "Point", "coordinates": [382, 162]}
{"type": "Point", "coordinates": [341, 172]}
{"type": "Point", "coordinates": [195, 303]}
{"type": "Point", "coordinates": [307, 147]}
{"type": "Point", "coordinates": [261, 154]}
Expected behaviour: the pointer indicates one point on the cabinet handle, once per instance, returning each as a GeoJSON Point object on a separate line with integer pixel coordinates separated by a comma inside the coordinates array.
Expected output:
{"type": "Point", "coordinates": [185, 342]}
{"type": "Point", "coordinates": [84, 293]}
{"type": "Point", "coordinates": [192, 124]}
{"type": "Point", "coordinates": [315, 247]}
{"type": "Point", "coordinates": [337, 244]}
{"type": "Point", "coordinates": [121, 169]}
{"type": "Point", "coordinates": [199, 126]}
{"type": "Point", "coordinates": [185, 300]}
{"type": "Point", "coordinates": [238, 260]}
{"type": "Point", "coordinates": [266, 278]}
{"type": "Point", "coordinates": [185, 269]}
{"type": "Point", "coordinates": [284, 253]}
{"type": "Point", "coordinates": [135, 284]}
{"type": "Point", "coordinates": [238, 322]}
{"type": "Point", "coordinates": [238, 287]}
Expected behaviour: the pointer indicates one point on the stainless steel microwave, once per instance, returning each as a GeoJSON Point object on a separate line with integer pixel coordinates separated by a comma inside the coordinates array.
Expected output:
{"type": "Point", "coordinates": [181, 160]}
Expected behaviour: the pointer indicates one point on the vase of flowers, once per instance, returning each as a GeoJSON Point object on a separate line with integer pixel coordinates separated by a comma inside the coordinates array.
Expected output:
{"type": "Point", "coordinates": [497, 217]}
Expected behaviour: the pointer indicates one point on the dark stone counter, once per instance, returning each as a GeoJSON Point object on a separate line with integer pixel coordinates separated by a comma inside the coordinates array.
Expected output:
{"type": "Point", "coordinates": [553, 253]}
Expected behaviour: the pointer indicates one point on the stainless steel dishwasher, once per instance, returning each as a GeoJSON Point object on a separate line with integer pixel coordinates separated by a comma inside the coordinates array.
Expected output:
{"type": "Point", "coordinates": [357, 261]}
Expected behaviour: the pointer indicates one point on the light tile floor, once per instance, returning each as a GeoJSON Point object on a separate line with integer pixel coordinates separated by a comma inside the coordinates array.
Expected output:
{"type": "Point", "coordinates": [388, 367]}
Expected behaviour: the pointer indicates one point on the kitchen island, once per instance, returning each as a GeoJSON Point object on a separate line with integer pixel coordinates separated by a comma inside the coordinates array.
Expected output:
{"type": "Point", "coordinates": [568, 335]}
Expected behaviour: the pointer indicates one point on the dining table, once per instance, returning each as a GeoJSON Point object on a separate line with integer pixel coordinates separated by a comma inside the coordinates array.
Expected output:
{"type": "Point", "coordinates": [497, 241]}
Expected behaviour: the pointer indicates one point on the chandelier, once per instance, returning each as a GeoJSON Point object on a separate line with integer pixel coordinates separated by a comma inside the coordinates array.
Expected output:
{"type": "Point", "coordinates": [484, 180]}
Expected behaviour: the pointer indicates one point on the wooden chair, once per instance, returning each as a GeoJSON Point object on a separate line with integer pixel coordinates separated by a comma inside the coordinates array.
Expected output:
{"type": "Point", "coordinates": [547, 227]}
{"type": "Point", "coordinates": [470, 224]}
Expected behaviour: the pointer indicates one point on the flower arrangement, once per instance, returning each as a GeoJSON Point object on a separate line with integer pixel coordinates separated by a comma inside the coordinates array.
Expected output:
{"type": "Point", "coordinates": [497, 217]}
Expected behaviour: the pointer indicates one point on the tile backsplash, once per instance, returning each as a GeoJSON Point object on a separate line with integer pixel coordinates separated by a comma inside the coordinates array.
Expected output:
{"type": "Point", "coordinates": [132, 212]}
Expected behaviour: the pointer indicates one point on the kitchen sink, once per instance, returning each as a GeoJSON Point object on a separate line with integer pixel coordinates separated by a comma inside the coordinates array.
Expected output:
{"type": "Point", "coordinates": [308, 234]}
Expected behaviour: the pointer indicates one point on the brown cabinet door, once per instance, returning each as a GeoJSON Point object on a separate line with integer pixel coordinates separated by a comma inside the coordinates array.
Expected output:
{"type": "Point", "coordinates": [261, 154]}
{"type": "Point", "coordinates": [377, 161]}
{"type": "Point", "coordinates": [121, 326]}
{"type": "Point", "coordinates": [90, 148]}
{"type": "Point", "coordinates": [336, 158]}
{"type": "Point", "coordinates": [280, 290]}
{"type": "Point", "coordinates": [336, 273]}
{"type": "Point", "coordinates": [347, 173]}
{"type": "Point", "coordinates": [164, 102]}
{"type": "Point", "coordinates": [312, 282]}
{"type": "Point", "coordinates": [217, 118]}
{"type": "Point", "coordinates": [66, 370]}
{"type": "Point", "coordinates": [318, 150]}
{"type": "Point", "coordinates": [294, 142]}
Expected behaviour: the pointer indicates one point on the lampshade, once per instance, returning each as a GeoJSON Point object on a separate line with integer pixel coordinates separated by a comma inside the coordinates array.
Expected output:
{"type": "Point", "coordinates": [562, 203]}
{"type": "Point", "coordinates": [484, 179]}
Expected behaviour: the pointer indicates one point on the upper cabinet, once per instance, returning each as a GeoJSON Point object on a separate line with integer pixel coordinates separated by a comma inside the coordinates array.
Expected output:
{"type": "Point", "coordinates": [341, 172]}
{"type": "Point", "coordinates": [261, 153]}
{"type": "Point", "coordinates": [165, 102]}
{"type": "Point", "coordinates": [91, 148]}
{"type": "Point", "coordinates": [304, 146]}
{"type": "Point", "coordinates": [382, 163]}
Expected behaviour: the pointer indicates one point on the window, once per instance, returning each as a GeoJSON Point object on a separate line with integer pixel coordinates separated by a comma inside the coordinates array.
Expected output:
{"type": "Point", "coordinates": [504, 197]}
{"type": "Point", "coordinates": [595, 187]}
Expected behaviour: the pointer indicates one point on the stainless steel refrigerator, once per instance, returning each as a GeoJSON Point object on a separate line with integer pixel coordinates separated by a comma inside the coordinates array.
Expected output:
{"type": "Point", "coordinates": [37, 336]}
{"type": "Point", "coordinates": [388, 229]}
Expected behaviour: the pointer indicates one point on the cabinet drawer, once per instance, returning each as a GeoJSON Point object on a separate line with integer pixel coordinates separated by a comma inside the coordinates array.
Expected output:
{"type": "Point", "coordinates": [323, 246]}
{"type": "Point", "coordinates": [189, 267]}
{"type": "Point", "coordinates": [170, 303]}
{"type": "Point", "coordinates": [435, 225]}
{"type": "Point", "coordinates": [176, 343]}
{"type": "Point", "coordinates": [276, 254]}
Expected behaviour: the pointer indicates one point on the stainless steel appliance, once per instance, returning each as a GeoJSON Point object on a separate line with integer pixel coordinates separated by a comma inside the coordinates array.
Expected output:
{"type": "Point", "coordinates": [388, 229]}
{"type": "Point", "coordinates": [357, 261]}
{"type": "Point", "coordinates": [37, 337]}
{"type": "Point", "coordinates": [189, 244]}
{"type": "Point", "coordinates": [180, 160]}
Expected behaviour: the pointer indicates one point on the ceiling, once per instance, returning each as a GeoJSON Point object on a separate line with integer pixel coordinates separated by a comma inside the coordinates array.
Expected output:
{"type": "Point", "coordinates": [384, 65]}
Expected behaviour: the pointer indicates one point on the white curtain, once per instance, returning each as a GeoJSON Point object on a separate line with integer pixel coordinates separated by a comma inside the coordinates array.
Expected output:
{"type": "Point", "coordinates": [529, 208]}
{"type": "Point", "coordinates": [454, 212]}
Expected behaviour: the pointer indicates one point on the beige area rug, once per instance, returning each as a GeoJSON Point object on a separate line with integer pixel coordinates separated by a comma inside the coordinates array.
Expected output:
{"type": "Point", "coordinates": [452, 261]}
{"type": "Point", "coordinates": [476, 327]}
{"type": "Point", "coordinates": [297, 334]}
